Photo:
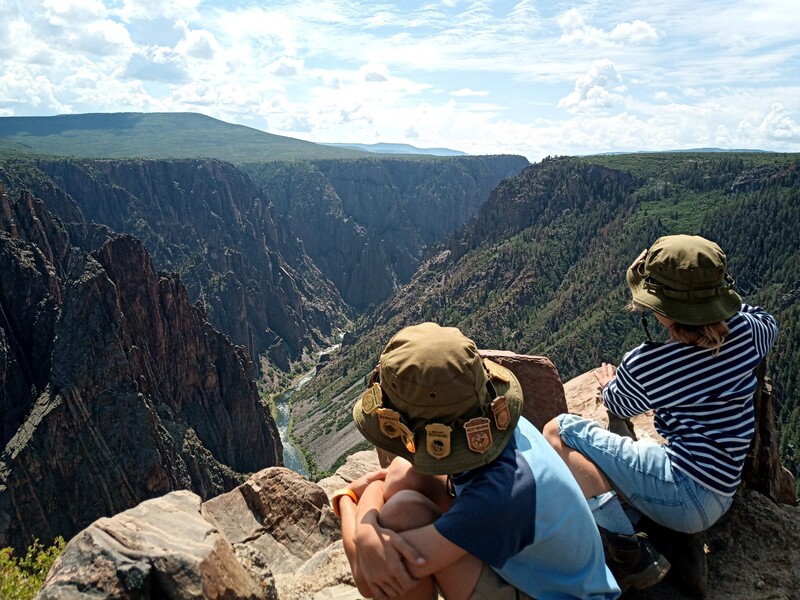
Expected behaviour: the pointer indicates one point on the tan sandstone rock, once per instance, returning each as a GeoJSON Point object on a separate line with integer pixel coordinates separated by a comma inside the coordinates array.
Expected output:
{"type": "Point", "coordinates": [278, 513]}
{"type": "Point", "coordinates": [160, 548]}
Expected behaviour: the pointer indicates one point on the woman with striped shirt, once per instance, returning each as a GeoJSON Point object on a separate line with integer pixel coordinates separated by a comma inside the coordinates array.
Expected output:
{"type": "Point", "coordinates": [700, 385]}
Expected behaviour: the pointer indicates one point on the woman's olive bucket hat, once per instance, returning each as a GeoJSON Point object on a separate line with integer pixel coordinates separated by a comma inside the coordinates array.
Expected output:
{"type": "Point", "coordinates": [684, 278]}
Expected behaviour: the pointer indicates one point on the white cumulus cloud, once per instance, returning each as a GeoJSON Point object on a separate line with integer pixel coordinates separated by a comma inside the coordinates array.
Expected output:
{"type": "Point", "coordinates": [778, 125]}
{"type": "Point", "coordinates": [575, 30]}
{"type": "Point", "coordinates": [73, 12]}
{"type": "Point", "coordinates": [147, 10]}
{"type": "Point", "coordinates": [635, 32]}
{"type": "Point", "coordinates": [465, 92]}
{"type": "Point", "coordinates": [599, 88]}
{"type": "Point", "coordinates": [200, 44]}
{"type": "Point", "coordinates": [157, 64]}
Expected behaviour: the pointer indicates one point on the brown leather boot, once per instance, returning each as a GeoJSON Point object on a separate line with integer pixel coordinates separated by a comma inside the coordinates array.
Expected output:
{"type": "Point", "coordinates": [633, 560]}
{"type": "Point", "coordinates": [686, 552]}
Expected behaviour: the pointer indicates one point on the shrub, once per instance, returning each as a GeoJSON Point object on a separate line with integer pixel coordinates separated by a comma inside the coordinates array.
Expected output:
{"type": "Point", "coordinates": [21, 578]}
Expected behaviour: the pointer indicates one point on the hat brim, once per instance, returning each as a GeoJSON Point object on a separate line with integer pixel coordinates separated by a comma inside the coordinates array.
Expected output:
{"type": "Point", "coordinates": [718, 308]}
{"type": "Point", "coordinates": [461, 458]}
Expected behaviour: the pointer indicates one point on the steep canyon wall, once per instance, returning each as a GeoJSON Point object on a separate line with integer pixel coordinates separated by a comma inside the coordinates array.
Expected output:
{"type": "Point", "coordinates": [115, 387]}
{"type": "Point", "coordinates": [367, 223]}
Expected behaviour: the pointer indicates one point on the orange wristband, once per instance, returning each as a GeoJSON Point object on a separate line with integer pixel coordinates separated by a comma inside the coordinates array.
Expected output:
{"type": "Point", "coordinates": [337, 495]}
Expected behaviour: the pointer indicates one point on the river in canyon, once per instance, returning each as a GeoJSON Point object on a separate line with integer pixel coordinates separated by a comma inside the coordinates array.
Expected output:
{"type": "Point", "coordinates": [291, 456]}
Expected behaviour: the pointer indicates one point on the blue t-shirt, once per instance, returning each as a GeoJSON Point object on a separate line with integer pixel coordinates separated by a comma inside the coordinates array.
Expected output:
{"type": "Point", "coordinates": [525, 516]}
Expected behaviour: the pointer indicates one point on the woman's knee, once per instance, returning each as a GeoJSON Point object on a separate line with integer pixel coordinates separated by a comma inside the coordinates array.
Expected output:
{"type": "Point", "coordinates": [552, 433]}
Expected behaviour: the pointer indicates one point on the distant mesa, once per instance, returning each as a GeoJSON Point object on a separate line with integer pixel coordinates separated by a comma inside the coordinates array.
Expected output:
{"type": "Point", "coordinates": [178, 135]}
{"type": "Point", "coordinates": [399, 149]}
{"type": "Point", "coordinates": [155, 135]}
{"type": "Point", "coordinates": [678, 150]}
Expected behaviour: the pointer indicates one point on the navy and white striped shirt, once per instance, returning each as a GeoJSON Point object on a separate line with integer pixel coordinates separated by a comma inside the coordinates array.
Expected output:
{"type": "Point", "coordinates": [703, 401]}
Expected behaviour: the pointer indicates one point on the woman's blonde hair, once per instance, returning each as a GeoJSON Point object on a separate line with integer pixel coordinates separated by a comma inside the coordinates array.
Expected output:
{"type": "Point", "coordinates": [709, 336]}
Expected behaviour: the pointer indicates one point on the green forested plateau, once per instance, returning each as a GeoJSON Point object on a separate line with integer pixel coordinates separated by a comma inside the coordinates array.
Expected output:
{"type": "Point", "coordinates": [541, 270]}
{"type": "Point", "coordinates": [153, 135]}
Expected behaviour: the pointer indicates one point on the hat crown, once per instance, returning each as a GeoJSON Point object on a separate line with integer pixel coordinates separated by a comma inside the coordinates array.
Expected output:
{"type": "Point", "coordinates": [431, 372]}
{"type": "Point", "coordinates": [684, 278]}
{"type": "Point", "coordinates": [430, 401]}
{"type": "Point", "coordinates": [685, 262]}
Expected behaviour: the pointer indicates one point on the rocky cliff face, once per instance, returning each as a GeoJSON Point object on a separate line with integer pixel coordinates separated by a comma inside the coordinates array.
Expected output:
{"type": "Point", "coordinates": [379, 216]}
{"type": "Point", "coordinates": [34, 256]}
{"type": "Point", "coordinates": [280, 281]}
{"type": "Point", "coordinates": [205, 220]}
{"type": "Point", "coordinates": [115, 387]}
{"type": "Point", "coordinates": [412, 205]}
{"type": "Point", "coordinates": [345, 252]}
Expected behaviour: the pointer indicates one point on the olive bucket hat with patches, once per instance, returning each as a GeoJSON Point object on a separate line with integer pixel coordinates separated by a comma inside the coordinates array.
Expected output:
{"type": "Point", "coordinates": [433, 400]}
{"type": "Point", "coordinates": [684, 278]}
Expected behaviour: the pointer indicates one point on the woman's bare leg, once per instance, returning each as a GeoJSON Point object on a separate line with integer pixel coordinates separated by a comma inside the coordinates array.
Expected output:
{"type": "Point", "coordinates": [590, 478]}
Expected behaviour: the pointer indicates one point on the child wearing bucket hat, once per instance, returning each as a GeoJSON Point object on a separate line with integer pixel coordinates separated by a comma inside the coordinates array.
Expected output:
{"type": "Point", "coordinates": [700, 385]}
{"type": "Point", "coordinates": [476, 504]}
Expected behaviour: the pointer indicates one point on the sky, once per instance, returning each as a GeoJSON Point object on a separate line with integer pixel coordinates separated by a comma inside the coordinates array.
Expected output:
{"type": "Point", "coordinates": [530, 77]}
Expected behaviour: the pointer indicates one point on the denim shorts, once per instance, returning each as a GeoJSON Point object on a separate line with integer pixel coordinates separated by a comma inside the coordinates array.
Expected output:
{"type": "Point", "coordinates": [642, 474]}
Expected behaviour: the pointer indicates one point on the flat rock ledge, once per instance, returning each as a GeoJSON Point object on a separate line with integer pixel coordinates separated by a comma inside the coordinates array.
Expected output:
{"type": "Point", "coordinates": [275, 537]}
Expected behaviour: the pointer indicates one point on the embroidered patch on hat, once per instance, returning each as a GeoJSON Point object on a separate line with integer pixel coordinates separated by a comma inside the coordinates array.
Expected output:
{"type": "Point", "coordinates": [389, 422]}
{"type": "Point", "coordinates": [479, 434]}
{"type": "Point", "coordinates": [502, 414]}
{"type": "Point", "coordinates": [437, 441]}
{"type": "Point", "coordinates": [390, 425]}
{"type": "Point", "coordinates": [496, 371]}
{"type": "Point", "coordinates": [372, 399]}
